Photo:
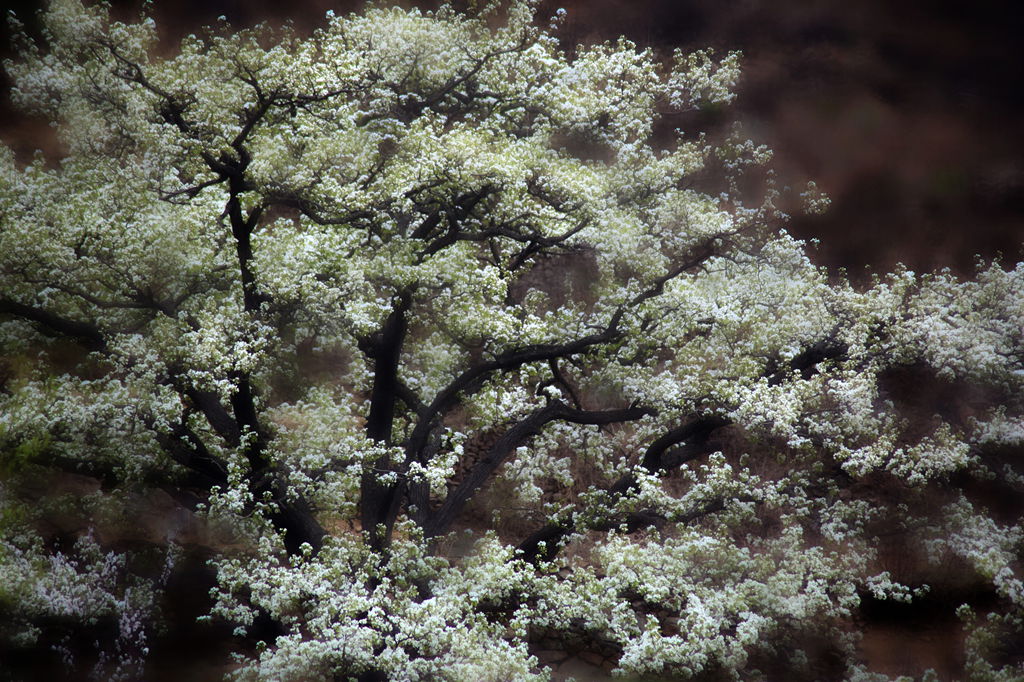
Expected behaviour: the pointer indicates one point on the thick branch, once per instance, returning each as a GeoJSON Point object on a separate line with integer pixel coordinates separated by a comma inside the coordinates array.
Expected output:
{"type": "Point", "coordinates": [298, 522]}
{"type": "Point", "coordinates": [694, 433]}
{"type": "Point", "coordinates": [807, 361]}
{"type": "Point", "coordinates": [187, 449]}
{"type": "Point", "coordinates": [380, 501]}
{"type": "Point", "coordinates": [83, 332]}
{"type": "Point", "coordinates": [295, 518]}
{"type": "Point", "coordinates": [508, 360]}
{"type": "Point", "coordinates": [529, 427]}
{"type": "Point", "coordinates": [385, 349]}
{"type": "Point", "coordinates": [216, 416]}
{"type": "Point", "coordinates": [663, 455]}
{"type": "Point", "coordinates": [241, 229]}
{"type": "Point", "coordinates": [518, 357]}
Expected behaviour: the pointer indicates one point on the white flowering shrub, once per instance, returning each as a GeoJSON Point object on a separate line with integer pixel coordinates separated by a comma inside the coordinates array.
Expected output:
{"type": "Point", "coordinates": [458, 350]}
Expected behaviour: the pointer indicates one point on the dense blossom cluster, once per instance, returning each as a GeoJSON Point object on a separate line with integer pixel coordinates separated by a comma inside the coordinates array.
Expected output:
{"type": "Point", "coordinates": [462, 348]}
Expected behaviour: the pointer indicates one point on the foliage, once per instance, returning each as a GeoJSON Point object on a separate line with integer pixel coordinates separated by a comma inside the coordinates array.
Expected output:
{"type": "Point", "coordinates": [461, 346]}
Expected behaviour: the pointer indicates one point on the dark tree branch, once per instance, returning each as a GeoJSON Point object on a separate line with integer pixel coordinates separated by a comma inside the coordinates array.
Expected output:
{"type": "Point", "coordinates": [807, 361]}
{"type": "Point", "coordinates": [186, 448]}
{"type": "Point", "coordinates": [518, 357]}
{"type": "Point", "coordinates": [193, 191]}
{"type": "Point", "coordinates": [293, 516]}
{"type": "Point", "coordinates": [693, 433]}
{"type": "Point", "coordinates": [662, 455]}
{"type": "Point", "coordinates": [439, 522]}
{"type": "Point", "coordinates": [314, 212]}
{"type": "Point", "coordinates": [559, 378]}
{"type": "Point", "coordinates": [210, 407]}
{"type": "Point", "coordinates": [545, 543]}
{"type": "Point", "coordinates": [408, 396]}
{"type": "Point", "coordinates": [379, 503]}
{"type": "Point", "coordinates": [385, 349]}
{"type": "Point", "coordinates": [242, 227]}
{"type": "Point", "coordinates": [182, 445]}
{"type": "Point", "coordinates": [512, 359]}
{"type": "Point", "coordinates": [88, 335]}
{"type": "Point", "coordinates": [427, 225]}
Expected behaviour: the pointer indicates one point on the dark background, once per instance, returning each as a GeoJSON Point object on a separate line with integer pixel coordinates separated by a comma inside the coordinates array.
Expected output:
{"type": "Point", "coordinates": [906, 113]}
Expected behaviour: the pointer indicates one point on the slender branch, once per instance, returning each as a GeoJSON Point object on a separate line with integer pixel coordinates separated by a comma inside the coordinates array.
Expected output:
{"type": "Point", "coordinates": [293, 517]}
{"type": "Point", "coordinates": [192, 191]}
{"type": "Point", "coordinates": [559, 378]}
{"type": "Point", "coordinates": [545, 543]}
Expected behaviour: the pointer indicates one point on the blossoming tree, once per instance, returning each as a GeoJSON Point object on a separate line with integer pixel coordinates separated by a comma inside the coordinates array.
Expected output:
{"type": "Point", "coordinates": [466, 348]}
